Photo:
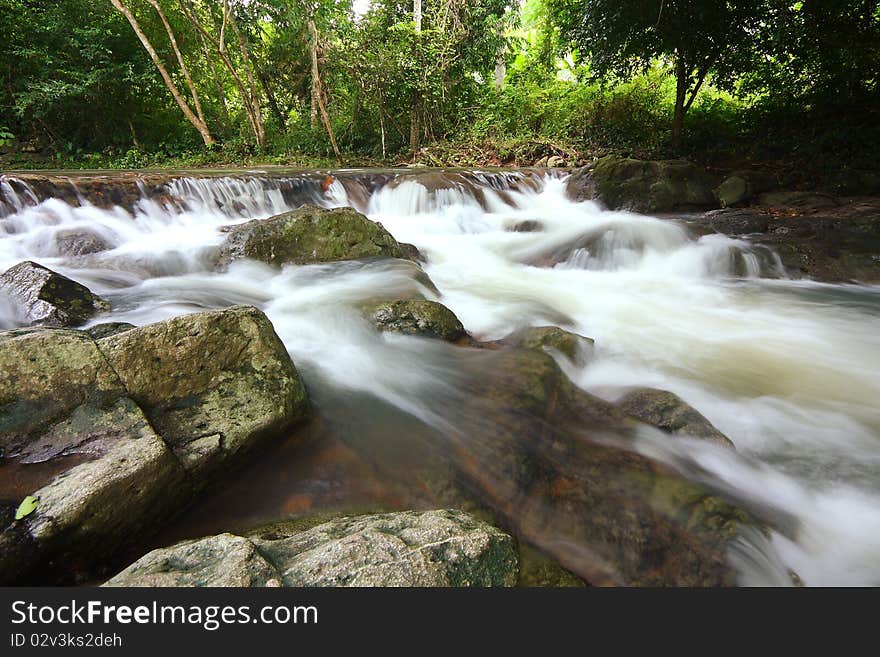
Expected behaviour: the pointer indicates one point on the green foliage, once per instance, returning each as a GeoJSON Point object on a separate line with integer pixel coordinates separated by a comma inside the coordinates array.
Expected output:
{"type": "Point", "coordinates": [793, 83]}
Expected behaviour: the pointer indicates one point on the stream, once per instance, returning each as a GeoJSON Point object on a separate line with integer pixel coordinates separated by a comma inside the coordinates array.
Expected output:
{"type": "Point", "coordinates": [788, 369]}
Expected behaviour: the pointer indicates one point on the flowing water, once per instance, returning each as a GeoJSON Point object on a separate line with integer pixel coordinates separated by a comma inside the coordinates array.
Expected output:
{"type": "Point", "coordinates": [789, 370]}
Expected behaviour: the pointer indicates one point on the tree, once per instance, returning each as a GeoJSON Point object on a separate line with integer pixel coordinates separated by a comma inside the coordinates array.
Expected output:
{"type": "Point", "coordinates": [697, 37]}
{"type": "Point", "coordinates": [197, 119]}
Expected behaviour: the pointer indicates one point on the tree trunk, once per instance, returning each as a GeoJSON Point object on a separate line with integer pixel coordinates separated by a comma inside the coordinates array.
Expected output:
{"type": "Point", "coordinates": [183, 68]}
{"type": "Point", "coordinates": [317, 91]}
{"type": "Point", "coordinates": [218, 83]}
{"type": "Point", "coordinates": [681, 84]}
{"type": "Point", "coordinates": [249, 95]}
{"type": "Point", "coordinates": [197, 123]}
{"type": "Point", "coordinates": [415, 114]}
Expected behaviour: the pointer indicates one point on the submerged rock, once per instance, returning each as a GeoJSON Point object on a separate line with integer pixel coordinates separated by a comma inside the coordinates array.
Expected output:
{"type": "Point", "coordinates": [420, 317]}
{"type": "Point", "coordinates": [642, 185]}
{"type": "Point", "coordinates": [127, 428]}
{"type": "Point", "coordinates": [409, 548]}
{"type": "Point", "coordinates": [573, 346]}
{"type": "Point", "coordinates": [79, 242]}
{"type": "Point", "coordinates": [559, 465]}
{"type": "Point", "coordinates": [669, 412]}
{"type": "Point", "coordinates": [307, 235]}
{"type": "Point", "coordinates": [46, 298]}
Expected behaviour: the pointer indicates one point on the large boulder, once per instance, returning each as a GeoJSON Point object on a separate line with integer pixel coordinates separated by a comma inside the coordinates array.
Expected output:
{"type": "Point", "coordinates": [113, 436]}
{"type": "Point", "coordinates": [643, 185]}
{"type": "Point", "coordinates": [410, 548]}
{"type": "Point", "coordinates": [670, 413]}
{"type": "Point", "coordinates": [307, 235]}
{"type": "Point", "coordinates": [559, 465]}
{"type": "Point", "coordinates": [46, 298]}
{"type": "Point", "coordinates": [420, 317]}
{"type": "Point", "coordinates": [213, 384]}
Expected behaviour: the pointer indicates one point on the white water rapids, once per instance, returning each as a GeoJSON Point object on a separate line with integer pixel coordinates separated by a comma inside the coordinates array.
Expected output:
{"type": "Point", "coordinates": [789, 370]}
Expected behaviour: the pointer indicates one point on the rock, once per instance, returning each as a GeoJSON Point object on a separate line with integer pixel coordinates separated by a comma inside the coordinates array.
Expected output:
{"type": "Point", "coordinates": [416, 317]}
{"type": "Point", "coordinates": [410, 548]}
{"type": "Point", "coordinates": [411, 252]}
{"type": "Point", "coordinates": [555, 162]}
{"type": "Point", "coordinates": [79, 242]}
{"type": "Point", "coordinates": [48, 298]}
{"type": "Point", "coordinates": [733, 191]}
{"type": "Point", "coordinates": [736, 222]}
{"type": "Point", "coordinates": [528, 226]}
{"type": "Point", "coordinates": [556, 463]}
{"type": "Point", "coordinates": [307, 235]}
{"type": "Point", "coordinates": [571, 345]}
{"type": "Point", "coordinates": [107, 329]}
{"type": "Point", "coordinates": [643, 186]}
{"type": "Point", "coordinates": [121, 432]}
{"type": "Point", "coordinates": [669, 412]}
{"type": "Point", "coordinates": [44, 376]}
{"type": "Point", "coordinates": [742, 186]}
{"type": "Point", "coordinates": [213, 384]}
{"type": "Point", "coordinates": [815, 236]}
{"type": "Point", "coordinates": [222, 560]}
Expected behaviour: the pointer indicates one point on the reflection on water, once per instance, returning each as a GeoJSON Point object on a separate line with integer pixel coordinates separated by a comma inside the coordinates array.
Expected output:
{"type": "Point", "coordinates": [789, 370]}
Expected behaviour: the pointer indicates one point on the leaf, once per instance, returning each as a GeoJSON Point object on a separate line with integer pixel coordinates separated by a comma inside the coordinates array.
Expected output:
{"type": "Point", "coordinates": [28, 506]}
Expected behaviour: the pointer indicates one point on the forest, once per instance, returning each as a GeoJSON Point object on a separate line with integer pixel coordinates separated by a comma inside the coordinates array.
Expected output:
{"type": "Point", "coordinates": [793, 86]}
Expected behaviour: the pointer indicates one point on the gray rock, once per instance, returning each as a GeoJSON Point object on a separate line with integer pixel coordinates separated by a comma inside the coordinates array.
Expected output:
{"type": "Point", "coordinates": [669, 412]}
{"type": "Point", "coordinates": [410, 548]}
{"type": "Point", "coordinates": [47, 298]}
{"type": "Point", "coordinates": [642, 185]}
{"type": "Point", "coordinates": [126, 429]}
{"type": "Point", "coordinates": [79, 242]}
{"type": "Point", "coordinates": [222, 560]}
{"type": "Point", "coordinates": [416, 317]}
{"type": "Point", "coordinates": [307, 235]}
{"type": "Point", "coordinates": [213, 384]}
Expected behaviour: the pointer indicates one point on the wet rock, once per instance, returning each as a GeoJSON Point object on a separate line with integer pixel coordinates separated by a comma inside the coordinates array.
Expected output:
{"type": "Point", "coordinates": [46, 298]}
{"type": "Point", "coordinates": [411, 252]}
{"type": "Point", "coordinates": [307, 235]}
{"type": "Point", "coordinates": [222, 560]}
{"type": "Point", "coordinates": [410, 548]}
{"type": "Point", "coordinates": [571, 345]}
{"type": "Point", "coordinates": [79, 242]}
{"type": "Point", "coordinates": [124, 430]}
{"type": "Point", "coordinates": [213, 384]}
{"type": "Point", "coordinates": [643, 186]}
{"type": "Point", "coordinates": [830, 240]}
{"type": "Point", "coordinates": [420, 317]}
{"type": "Point", "coordinates": [669, 412]}
{"type": "Point", "coordinates": [528, 226]}
{"type": "Point", "coordinates": [557, 463]}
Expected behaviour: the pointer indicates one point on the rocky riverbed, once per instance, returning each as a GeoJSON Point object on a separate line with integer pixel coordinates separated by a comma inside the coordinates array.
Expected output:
{"type": "Point", "coordinates": [316, 360]}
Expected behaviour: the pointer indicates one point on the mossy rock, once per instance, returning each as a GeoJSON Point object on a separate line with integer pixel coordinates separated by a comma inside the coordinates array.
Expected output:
{"type": "Point", "coordinates": [46, 298]}
{"type": "Point", "coordinates": [670, 413]}
{"type": "Point", "coordinates": [647, 186]}
{"type": "Point", "coordinates": [428, 319]}
{"type": "Point", "coordinates": [308, 235]}
{"type": "Point", "coordinates": [573, 346]}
